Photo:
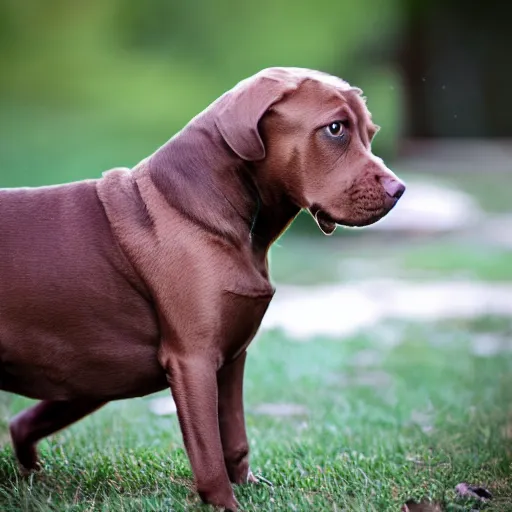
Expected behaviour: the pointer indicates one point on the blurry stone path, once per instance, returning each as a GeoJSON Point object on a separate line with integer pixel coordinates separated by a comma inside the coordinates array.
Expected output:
{"type": "Point", "coordinates": [344, 309]}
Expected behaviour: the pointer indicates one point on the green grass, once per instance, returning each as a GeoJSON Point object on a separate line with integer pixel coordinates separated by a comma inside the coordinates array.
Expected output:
{"type": "Point", "coordinates": [414, 421]}
{"type": "Point", "coordinates": [491, 190]}
{"type": "Point", "coordinates": [449, 259]}
{"type": "Point", "coordinates": [313, 260]}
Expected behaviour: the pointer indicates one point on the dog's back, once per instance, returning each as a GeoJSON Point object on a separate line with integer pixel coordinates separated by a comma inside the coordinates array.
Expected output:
{"type": "Point", "coordinates": [73, 313]}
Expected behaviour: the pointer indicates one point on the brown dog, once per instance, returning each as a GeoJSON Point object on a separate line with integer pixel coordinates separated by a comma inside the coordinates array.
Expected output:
{"type": "Point", "coordinates": [158, 276]}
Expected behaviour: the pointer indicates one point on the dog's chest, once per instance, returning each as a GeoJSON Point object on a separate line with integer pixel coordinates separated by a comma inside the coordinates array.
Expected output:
{"type": "Point", "coordinates": [241, 319]}
{"type": "Point", "coordinates": [246, 295]}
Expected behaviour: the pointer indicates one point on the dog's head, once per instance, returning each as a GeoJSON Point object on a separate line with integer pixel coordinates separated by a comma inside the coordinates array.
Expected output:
{"type": "Point", "coordinates": [310, 136]}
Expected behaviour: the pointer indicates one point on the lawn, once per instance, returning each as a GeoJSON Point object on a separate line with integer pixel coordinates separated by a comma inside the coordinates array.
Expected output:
{"type": "Point", "coordinates": [308, 261]}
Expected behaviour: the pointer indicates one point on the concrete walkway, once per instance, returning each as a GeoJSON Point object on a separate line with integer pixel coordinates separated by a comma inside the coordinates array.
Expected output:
{"type": "Point", "coordinates": [343, 309]}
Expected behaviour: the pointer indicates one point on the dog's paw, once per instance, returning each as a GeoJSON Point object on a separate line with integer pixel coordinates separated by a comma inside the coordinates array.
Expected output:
{"type": "Point", "coordinates": [25, 452]}
{"type": "Point", "coordinates": [225, 501]}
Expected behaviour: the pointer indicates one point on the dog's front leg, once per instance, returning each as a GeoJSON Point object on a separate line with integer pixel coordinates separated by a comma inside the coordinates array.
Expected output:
{"type": "Point", "coordinates": [232, 421]}
{"type": "Point", "coordinates": [193, 382]}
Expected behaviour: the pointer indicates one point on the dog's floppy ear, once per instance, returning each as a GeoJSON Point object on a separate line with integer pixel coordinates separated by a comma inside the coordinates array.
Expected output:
{"type": "Point", "coordinates": [240, 110]}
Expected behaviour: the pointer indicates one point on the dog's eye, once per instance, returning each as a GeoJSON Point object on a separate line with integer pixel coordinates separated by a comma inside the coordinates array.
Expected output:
{"type": "Point", "coordinates": [335, 129]}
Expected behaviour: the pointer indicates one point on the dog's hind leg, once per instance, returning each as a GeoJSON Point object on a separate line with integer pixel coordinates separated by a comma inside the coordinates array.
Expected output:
{"type": "Point", "coordinates": [42, 420]}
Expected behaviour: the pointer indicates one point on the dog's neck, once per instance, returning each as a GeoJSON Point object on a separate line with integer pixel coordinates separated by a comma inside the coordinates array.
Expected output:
{"type": "Point", "coordinates": [200, 176]}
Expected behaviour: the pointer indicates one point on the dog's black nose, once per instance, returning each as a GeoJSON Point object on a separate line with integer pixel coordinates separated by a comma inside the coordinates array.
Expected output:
{"type": "Point", "coordinates": [393, 187]}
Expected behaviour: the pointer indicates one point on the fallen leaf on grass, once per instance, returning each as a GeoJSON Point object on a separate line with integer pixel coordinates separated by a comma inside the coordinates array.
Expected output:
{"type": "Point", "coordinates": [470, 491]}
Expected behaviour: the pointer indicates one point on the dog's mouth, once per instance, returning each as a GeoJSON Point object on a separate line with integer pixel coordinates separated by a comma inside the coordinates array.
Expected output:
{"type": "Point", "coordinates": [325, 222]}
